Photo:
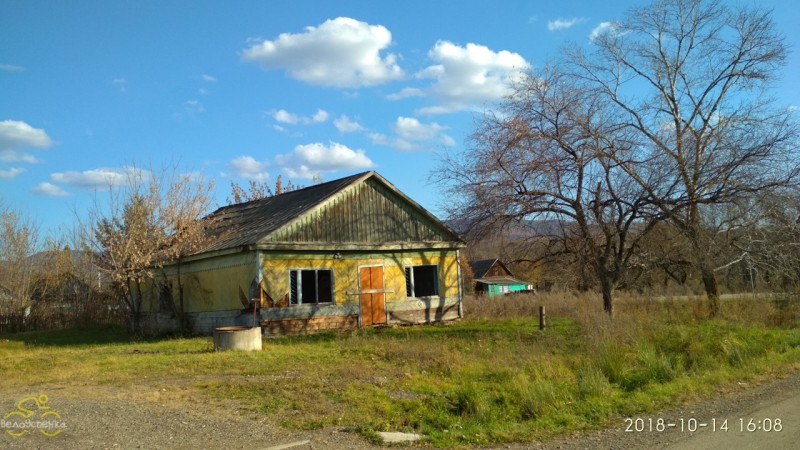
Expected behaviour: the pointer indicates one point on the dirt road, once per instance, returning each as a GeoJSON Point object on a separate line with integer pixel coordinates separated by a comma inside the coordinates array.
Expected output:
{"type": "Point", "coordinates": [774, 426]}
{"type": "Point", "coordinates": [96, 418]}
{"type": "Point", "coordinates": [750, 417]}
{"type": "Point", "coordinates": [100, 419]}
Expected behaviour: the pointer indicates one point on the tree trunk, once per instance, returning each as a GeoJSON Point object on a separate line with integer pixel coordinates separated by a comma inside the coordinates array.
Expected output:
{"type": "Point", "coordinates": [608, 296]}
{"type": "Point", "coordinates": [700, 249]}
{"type": "Point", "coordinates": [136, 309]}
{"type": "Point", "coordinates": [182, 321]}
{"type": "Point", "coordinates": [712, 289]}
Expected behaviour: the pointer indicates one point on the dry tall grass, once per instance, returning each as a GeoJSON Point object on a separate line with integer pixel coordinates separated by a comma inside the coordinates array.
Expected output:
{"type": "Point", "coordinates": [778, 310]}
{"type": "Point", "coordinates": [636, 316]}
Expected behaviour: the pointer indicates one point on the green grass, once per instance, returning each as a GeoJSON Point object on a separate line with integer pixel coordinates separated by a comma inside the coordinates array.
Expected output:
{"type": "Point", "coordinates": [490, 379]}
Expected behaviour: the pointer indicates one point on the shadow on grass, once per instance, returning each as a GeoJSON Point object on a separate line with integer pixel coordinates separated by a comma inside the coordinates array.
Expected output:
{"type": "Point", "coordinates": [471, 327]}
{"type": "Point", "coordinates": [75, 337]}
{"type": "Point", "coordinates": [306, 338]}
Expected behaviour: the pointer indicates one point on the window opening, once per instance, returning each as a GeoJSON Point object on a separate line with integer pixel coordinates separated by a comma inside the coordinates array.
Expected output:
{"type": "Point", "coordinates": [422, 281]}
{"type": "Point", "coordinates": [309, 286]}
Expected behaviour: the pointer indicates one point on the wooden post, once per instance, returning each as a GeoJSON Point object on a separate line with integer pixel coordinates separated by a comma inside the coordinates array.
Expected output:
{"type": "Point", "coordinates": [541, 318]}
{"type": "Point", "coordinates": [254, 303]}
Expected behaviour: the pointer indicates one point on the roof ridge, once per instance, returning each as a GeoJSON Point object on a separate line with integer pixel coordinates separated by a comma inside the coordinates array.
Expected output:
{"type": "Point", "coordinates": [294, 191]}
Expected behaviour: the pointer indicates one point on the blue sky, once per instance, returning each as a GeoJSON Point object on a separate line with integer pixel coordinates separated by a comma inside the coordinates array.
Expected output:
{"type": "Point", "coordinates": [241, 90]}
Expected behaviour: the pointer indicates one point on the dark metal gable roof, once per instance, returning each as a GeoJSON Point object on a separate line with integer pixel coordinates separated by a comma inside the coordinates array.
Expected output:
{"type": "Point", "coordinates": [245, 223]}
{"type": "Point", "coordinates": [479, 268]}
{"type": "Point", "coordinates": [251, 223]}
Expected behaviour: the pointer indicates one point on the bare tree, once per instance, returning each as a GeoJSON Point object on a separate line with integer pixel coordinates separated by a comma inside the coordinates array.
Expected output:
{"type": "Point", "coordinates": [257, 190]}
{"type": "Point", "coordinates": [180, 209]}
{"type": "Point", "coordinates": [19, 240]}
{"type": "Point", "coordinates": [126, 241]}
{"type": "Point", "coordinates": [546, 154]}
{"type": "Point", "coordinates": [152, 221]}
{"type": "Point", "coordinates": [665, 253]}
{"type": "Point", "coordinates": [769, 241]}
{"type": "Point", "coordinates": [690, 78]}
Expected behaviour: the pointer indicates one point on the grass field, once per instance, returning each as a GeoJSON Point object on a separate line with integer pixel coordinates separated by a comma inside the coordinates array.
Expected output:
{"type": "Point", "coordinates": [491, 378]}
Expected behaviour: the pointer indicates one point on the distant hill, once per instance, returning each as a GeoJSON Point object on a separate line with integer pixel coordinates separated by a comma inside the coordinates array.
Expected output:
{"type": "Point", "coordinates": [512, 231]}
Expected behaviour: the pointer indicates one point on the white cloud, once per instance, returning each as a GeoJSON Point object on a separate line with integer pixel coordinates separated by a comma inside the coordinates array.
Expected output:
{"type": "Point", "coordinates": [49, 190]}
{"type": "Point", "coordinates": [601, 28]}
{"type": "Point", "coordinates": [283, 116]}
{"type": "Point", "coordinates": [208, 78]}
{"type": "Point", "coordinates": [406, 93]}
{"type": "Point", "coordinates": [448, 141]}
{"type": "Point", "coordinates": [14, 156]}
{"type": "Point", "coordinates": [413, 135]}
{"type": "Point", "coordinates": [341, 52]}
{"type": "Point", "coordinates": [249, 168]}
{"type": "Point", "coordinates": [563, 24]}
{"type": "Point", "coordinates": [412, 129]}
{"type": "Point", "coordinates": [396, 143]}
{"type": "Point", "coordinates": [320, 116]}
{"type": "Point", "coordinates": [309, 160]}
{"type": "Point", "coordinates": [101, 178]}
{"type": "Point", "coordinates": [16, 135]}
{"type": "Point", "coordinates": [10, 174]}
{"type": "Point", "coordinates": [11, 68]}
{"type": "Point", "coordinates": [466, 77]}
{"type": "Point", "coordinates": [345, 125]}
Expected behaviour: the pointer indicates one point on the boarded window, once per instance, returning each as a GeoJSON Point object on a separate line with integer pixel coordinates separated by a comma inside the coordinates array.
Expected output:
{"type": "Point", "coordinates": [422, 281]}
{"type": "Point", "coordinates": [309, 286]}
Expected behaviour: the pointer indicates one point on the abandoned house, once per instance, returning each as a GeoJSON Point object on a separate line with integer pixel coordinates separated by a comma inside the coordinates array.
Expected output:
{"type": "Point", "coordinates": [492, 278]}
{"type": "Point", "coordinates": [349, 253]}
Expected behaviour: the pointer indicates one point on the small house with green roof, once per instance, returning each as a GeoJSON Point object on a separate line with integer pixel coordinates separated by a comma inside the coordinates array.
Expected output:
{"type": "Point", "coordinates": [492, 278]}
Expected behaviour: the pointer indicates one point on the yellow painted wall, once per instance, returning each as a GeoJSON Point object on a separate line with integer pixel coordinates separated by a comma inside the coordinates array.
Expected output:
{"type": "Point", "coordinates": [215, 284]}
{"type": "Point", "coordinates": [208, 285]}
{"type": "Point", "coordinates": [217, 289]}
{"type": "Point", "coordinates": [345, 272]}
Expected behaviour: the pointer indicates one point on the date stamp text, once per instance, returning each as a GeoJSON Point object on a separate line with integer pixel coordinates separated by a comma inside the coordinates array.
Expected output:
{"type": "Point", "coordinates": [692, 424]}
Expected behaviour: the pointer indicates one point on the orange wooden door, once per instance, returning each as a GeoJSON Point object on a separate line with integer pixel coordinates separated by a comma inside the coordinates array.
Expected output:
{"type": "Point", "coordinates": [373, 299]}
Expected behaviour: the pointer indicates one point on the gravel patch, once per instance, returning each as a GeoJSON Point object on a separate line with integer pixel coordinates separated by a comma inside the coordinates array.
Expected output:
{"type": "Point", "coordinates": [100, 422]}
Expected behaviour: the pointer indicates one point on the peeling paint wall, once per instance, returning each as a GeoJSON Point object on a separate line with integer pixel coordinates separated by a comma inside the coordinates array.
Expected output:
{"type": "Point", "coordinates": [208, 285]}
{"type": "Point", "coordinates": [214, 288]}
{"type": "Point", "coordinates": [276, 269]}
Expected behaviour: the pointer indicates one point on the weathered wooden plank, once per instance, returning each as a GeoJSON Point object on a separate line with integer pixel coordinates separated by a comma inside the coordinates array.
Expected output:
{"type": "Point", "coordinates": [366, 213]}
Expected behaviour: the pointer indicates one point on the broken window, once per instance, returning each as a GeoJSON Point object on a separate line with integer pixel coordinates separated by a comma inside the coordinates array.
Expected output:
{"type": "Point", "coordinates": [422, 281]}
{"type": "Point", "coordinates": [310, 286]}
